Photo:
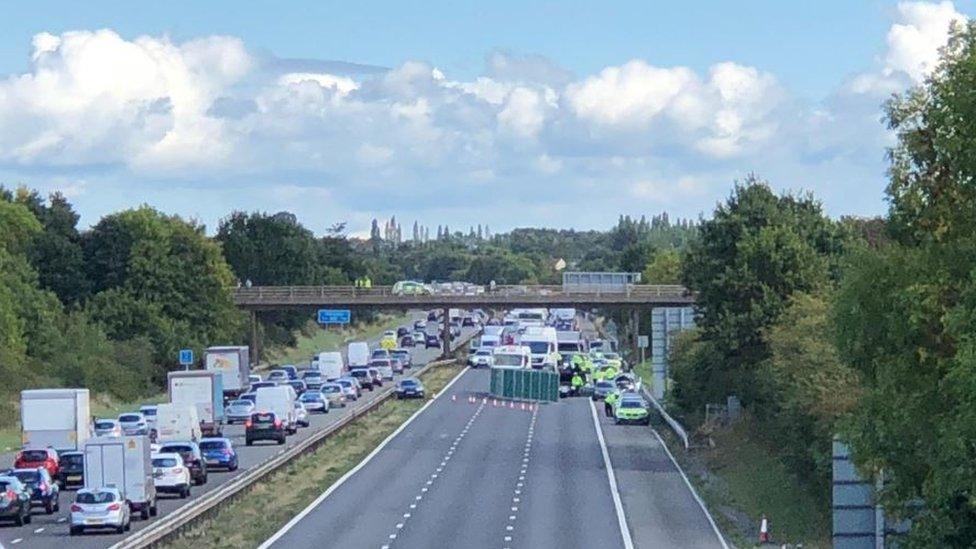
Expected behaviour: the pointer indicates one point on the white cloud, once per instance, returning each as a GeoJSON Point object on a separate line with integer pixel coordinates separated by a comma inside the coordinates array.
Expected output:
{"type": "Point", "coordinates": [148, 111]}
{"type": "Point", "coordinates": [914, 41]}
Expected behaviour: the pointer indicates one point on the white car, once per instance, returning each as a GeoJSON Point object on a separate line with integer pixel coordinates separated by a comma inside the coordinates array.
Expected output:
{"type": "Point", "coordinates": [170, 474]}
{"type": "Point", "coordinates": [99, 508]}
{"type": "Point", "coordinates": [482, 358]}
{"type": "Point", "coordinates": [314, 401]}
{"type": "Point", "coordinates": [301, 414]}
{"type": "Point", "coordinates": [149, 412]}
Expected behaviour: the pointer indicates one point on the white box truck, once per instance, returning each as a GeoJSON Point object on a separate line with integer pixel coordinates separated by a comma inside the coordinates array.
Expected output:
{"type": "Point", "coordinates": [281, 401]}
{"type": "Point", "coordinates": [126, 464]}
{"type": "Point", "coordinates": [233, 363]}
{"type": "Point", "coordinates": [330, 365]}
{"type": "Point", "coordinates": [177, 422]}
{"type": "Point", "coordinates": [358, 354]}
{"type": "Point", "coordinates": [543, 344]}
{"type": "Point", "coordinates": [203, 389]}
{"type": "Point", "coordinates": [56, 418]}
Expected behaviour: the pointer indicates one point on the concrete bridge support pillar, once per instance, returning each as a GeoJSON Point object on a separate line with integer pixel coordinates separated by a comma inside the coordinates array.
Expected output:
{"type": "Point", "coordinates": [255, 339]}
{"type": "Point", "coordinates": [446, 333]}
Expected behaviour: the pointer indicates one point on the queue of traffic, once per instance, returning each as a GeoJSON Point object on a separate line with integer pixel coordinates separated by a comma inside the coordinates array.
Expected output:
{"type": "Point", "coordinates": [119, 466]}
{"type": "Point", "coordinates": [551, 340]}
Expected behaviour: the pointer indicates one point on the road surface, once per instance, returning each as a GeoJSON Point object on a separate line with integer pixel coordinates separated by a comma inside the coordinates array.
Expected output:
{"type": "Point", "coordinates": [469, 473]}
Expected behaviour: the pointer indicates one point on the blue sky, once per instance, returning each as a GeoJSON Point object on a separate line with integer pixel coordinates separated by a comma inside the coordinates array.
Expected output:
{"type": "Point", "coordinates": [553, 114]}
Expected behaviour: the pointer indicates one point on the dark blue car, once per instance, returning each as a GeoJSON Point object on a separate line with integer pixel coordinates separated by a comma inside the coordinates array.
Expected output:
{"type": "Point", "coordinates": [219, 452]}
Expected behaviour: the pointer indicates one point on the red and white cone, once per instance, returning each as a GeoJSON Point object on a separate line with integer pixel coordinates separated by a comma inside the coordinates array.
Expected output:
{"type": "Point", "coordinates": [764, 530]}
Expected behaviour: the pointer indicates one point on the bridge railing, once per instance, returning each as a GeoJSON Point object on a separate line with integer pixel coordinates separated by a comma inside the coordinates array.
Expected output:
{"type": "Point", "coordinates": [278, 294]}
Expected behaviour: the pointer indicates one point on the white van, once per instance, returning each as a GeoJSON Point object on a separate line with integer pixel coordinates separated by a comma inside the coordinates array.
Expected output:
{"type": "Point", "coordinates": [177, 422]}
{"type": "Point", "coordinates": [543, 344]}
{"type": "Point", "coordinates": [358, 354]}
{"type": "Point", "coordinates": [331, 365]}
{"type": "Point", "coordinates": [490, 341]}
{"type": "Point", "coordinates": [281, 401]}
{"type": "Point", "coordinates": [511, 356]}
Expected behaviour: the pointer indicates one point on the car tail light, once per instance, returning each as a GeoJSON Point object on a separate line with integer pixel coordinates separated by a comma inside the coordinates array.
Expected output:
{"type": "Point", "coordinates": [247, 424]}
{"type": "Point", "coordinates": [114, 507]}
{"type": "Point", "coordinates": [76, 508]}
{"type": "Point", "coordinates": [43, 486]}
{"type": "Point", "coordinates": [277, 424]}
{"type": "Point", "coordinates": [226, 451]}
{"type": "Point", "coordinates": [11, 495]}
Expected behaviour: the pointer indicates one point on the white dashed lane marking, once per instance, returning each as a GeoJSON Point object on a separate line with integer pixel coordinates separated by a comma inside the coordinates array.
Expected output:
{"type": "Point", "coordinates": [520, 483]}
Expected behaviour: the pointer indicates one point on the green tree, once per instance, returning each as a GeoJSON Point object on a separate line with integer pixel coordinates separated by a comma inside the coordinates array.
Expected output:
{"type": "Point", "coordinates": [663, 268]}
{"type": "Point", "coordinates": [755, 252]}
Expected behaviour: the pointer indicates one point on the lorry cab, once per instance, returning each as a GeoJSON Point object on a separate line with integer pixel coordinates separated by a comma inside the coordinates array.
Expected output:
{"type": "Point", "coordinates": [511, 356]}
{"type": "Point", "coordinates": [542, 343]}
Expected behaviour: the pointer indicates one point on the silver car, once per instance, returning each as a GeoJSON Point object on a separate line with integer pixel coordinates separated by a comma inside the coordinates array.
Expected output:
{"type": "Point", "coordinates": [238, 411]}
{"type": "Point", "coordinates": [134, 424]}
{"type": "Point", "coordinates": [334, 394]}
{"type": "Point", "coordinates": [99, 508]}
{"type": "Point", "coordinates": [350, 387]}
{"type": "Point", "coordinates": [107, 428]}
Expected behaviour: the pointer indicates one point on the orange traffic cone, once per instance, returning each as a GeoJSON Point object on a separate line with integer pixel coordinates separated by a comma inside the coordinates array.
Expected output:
{"type": "Point", "coordinates": [764, 530]}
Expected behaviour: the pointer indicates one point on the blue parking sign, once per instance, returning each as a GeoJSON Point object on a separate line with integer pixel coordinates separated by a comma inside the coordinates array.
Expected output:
{"type": "Point", "coordinates": [186, 357]}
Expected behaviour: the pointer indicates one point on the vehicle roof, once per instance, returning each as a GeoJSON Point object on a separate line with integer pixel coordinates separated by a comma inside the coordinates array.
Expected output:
{"type": "Point", "coordinates": [103, 489]}
{"type": "Point", "coordinates": [165, 455]}
{"type": "Point", "coordinates": [177, 443]}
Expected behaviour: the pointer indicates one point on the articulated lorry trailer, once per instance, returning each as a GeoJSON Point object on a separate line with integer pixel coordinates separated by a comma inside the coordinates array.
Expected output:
{"type": "Point", "coordinates": [203, 390]}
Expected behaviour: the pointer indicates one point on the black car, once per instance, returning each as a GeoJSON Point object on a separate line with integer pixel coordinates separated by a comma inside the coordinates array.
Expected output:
{"type": "Point", "coordinates": [44, 492]}
{"type": "Point", "coordinates": [362, 375]}
{"type": "Point", "coordinates": [262, 384]}
{"type": "Point", "coordinates": [192, 458]}
{"type": "Point", "coordinates": [467, 321]}
{"type": "Point", "coordinates": [407, 341]}
{"type": "Point", "coordinates": [72, 471]}
{"type": "Point", "coordinates": [15, 501]}
{"type": "Point", "coordinates": [432, 315]}
{"type": "Point", "coordinates": [402, 331]}
{"type": "Point", "coordinates": [292, 371]}
{"type": "Point", "coordinates": [432, 341]}
{"type": "Point", "coordinates": [409, 387]}
{"type": "Point", "coordinates": [264, 426]}
{"type": "Point", "coordinates": [299, 386]}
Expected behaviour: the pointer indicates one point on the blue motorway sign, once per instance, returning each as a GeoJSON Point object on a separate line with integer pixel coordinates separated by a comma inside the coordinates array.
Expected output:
{"type": "Point", "coordinates": [334, 316]}
{"type": "Point", "coordinates": [186, 357]}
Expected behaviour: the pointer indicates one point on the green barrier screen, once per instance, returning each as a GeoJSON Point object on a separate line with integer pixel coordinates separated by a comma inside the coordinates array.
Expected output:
{"type": "Point", "coordinates": [524, 384]}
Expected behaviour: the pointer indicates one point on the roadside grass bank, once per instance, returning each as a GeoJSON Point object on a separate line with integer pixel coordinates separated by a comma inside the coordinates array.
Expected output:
{"type": "Point", "coordinates": [313, 338]}
{"type": "Point", "coordinates": [255, 515]}
{"type": "Point", "coordinates": [742, 478]}
{"type": "Point", "coordinates": [310, 339]}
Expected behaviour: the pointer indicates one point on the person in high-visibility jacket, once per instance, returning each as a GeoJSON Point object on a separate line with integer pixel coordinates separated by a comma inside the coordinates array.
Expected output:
{"type": "Point", "coordinates": [577, 383]}
{"type": "Point", "coordinates": [609, 401]}
{"type": "Point", "coordinates": [367, 283]}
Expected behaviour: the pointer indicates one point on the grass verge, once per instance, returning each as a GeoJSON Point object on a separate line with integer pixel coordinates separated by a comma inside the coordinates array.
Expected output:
{"type": "Point", "coordinates": [314, 338]}
{"type": "Point", "coordinates": [249, 520]}
{"type": "Point", "coordinates": [741, 479]}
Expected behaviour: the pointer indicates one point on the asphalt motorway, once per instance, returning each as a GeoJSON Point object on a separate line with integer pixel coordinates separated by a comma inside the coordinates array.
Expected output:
{"type": "Point", "coordinates": [473, 472]}
{"type": "Point", "coordinates": [52, 530]}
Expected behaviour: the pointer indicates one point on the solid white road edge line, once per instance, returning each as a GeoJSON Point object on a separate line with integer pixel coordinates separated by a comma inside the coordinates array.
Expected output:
{"type": "Point", "coordinates": [691, 489]}
{"type": "Point", "coordinates": [618, 506]}
{"type": "Point", "coordinates": [318, 501]}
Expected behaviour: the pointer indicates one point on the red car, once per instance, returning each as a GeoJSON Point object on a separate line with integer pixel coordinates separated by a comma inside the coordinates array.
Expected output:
{"type": "Point", "coordinates": [32, 459]}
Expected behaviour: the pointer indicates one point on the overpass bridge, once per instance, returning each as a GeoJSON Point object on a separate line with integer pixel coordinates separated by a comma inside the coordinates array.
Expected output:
{"type": "Point", "coordinates": [276, 298]}
{"type": "Point", "coordinates": [257, 299]}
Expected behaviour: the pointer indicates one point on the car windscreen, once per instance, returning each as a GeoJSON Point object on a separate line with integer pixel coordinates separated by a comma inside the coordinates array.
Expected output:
{"type": "Point", "coordinates": [149, 412]}
{"type": "Point", "coordinates": [538, 347]}
{"type": "Point", "coordinates": [604, 385]}
{"type": "Point", "coordinates": [164, 462]}
{"type": "Point", "coordinates": [34, 455]}
{"type": "Point", "coordinates": [263, 418]}
{"type": "Point", "coordinates": [104, 425]}
{"type": "Point", "coordinates": [130, 418]}
{"type": "Point", "coordinates": [310, 397]}
{"type": "Point", "coordinates": [631, 404]}
{"type": "Point", "coordinates": [103, 497]}
{"type": "Point", "coordinates": [26, 476]}
{"type": "Point", "coordinates": [72, 459]}
{"type": "Point", "coordinates": [508, 360]}
{"type": "Point", "coordinates": [408, 383]}
{"type": "Point", "coordinates": [241, 403]}
{"type": "Point", "coordinates": [176, 449]}
{"type": "Point", "coordinates": [331, 388]}
{"type": "Point", "coordinates": [212, 444]}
